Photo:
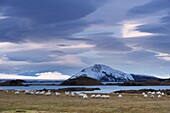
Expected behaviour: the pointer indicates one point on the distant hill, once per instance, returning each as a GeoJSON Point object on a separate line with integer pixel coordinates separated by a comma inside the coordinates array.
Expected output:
{"type": "Point", "coordinates": [104, 73]}
{"type": "Point", "coordinates": [81, 81]}
{"type": "Point", "coordinates": [13, 83]}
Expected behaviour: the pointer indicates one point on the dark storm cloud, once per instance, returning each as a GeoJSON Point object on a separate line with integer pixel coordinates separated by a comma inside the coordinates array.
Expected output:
{"type": "Point", "coordinates": [161, 27]}
{"type": "Point", "coordinates": [161, 42]}
{"type": "Point", "coordinates": [49, 11]}
{"type": "Point", "coordinates": [43, 19]}
{"type": "Point", "coordinates": [105, 42]}
{"type": "Point", "coordinates": [157, 43]}
{"type": "Point", "coordinates": [151, 7]}
{"type": "Point", "coordinates": [33, 55]}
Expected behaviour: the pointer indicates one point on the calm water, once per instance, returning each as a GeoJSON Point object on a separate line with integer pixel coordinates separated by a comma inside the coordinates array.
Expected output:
{"type": "Point", "coordinates": [105, 89]}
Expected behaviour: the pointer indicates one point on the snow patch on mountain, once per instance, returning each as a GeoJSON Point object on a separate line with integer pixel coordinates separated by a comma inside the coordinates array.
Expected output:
{"type": "Point", "coordinates": [104, 73]}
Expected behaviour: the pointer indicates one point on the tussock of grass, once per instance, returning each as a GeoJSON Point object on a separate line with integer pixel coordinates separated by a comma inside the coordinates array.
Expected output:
{"type": "Point", "coordinates": [20, 111]}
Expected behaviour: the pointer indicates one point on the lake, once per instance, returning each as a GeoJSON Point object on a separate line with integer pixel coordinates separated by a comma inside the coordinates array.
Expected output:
{"type": "Point", "coordinates": [104, 89]}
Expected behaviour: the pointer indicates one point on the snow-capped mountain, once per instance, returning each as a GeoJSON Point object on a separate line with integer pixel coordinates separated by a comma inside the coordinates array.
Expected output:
{"type": "Point", "coordinates": [104, 73]}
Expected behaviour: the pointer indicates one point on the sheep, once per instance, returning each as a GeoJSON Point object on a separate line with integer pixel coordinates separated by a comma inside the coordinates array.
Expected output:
{"type": "Point", "coordinates": [93, 96]}
{"type": "Point", "coordinates": [158, 92]}
{"type": "Point", "coordinates": [152, 96]}
{"type": "Point", "coordinates": [149, 92]}
{"type": "Point", "coordinates": [153, 93]}
{"type": "Point", "coordinates": [105, 96]}
{"type": "Point", "coordinates": [120, 96]}
{"type": "Point", "coordinates": [37, 92]}
{"type": "Point", "coordinates": [98, 96]}
{"type": "Point", "coordinates": [48, 93]}
{"type": "Point", "coordinates": [29, 92]}
{"type": "Point", "coordinates": [42, 93]}
{"type": "Point", "coordinates": [67, 93]}
{"type": "Point", "coordinates": [145, 95]}
{"type": "Point", "coordinates": [16, 92]}
{"type": "Point", "coordinates": [81, 94]}
{"type": "Point", "coordinates": [159, 96]}
{"type": "Point", "coordinates": [72, 94]}
{"type": "Point", "coordinates": [6, 91]}
{"type": "Point", "coordinates": [57, 94]}
{"type": "Point", "coordinates": [162, 94]}
{"type": "Point", "coordinates": [85, 96]}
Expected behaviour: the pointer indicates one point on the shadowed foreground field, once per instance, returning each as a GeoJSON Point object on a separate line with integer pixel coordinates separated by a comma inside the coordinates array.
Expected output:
{"type": "Point", "coordinates": [10, 103]}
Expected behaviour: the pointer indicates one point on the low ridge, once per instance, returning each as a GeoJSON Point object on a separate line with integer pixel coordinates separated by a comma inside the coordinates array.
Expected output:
{"type": "Point", "coordinates": [81, 81]}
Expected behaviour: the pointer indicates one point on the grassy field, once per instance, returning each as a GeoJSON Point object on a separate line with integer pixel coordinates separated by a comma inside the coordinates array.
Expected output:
{"type": "Point", "coordinates": [10, 103]}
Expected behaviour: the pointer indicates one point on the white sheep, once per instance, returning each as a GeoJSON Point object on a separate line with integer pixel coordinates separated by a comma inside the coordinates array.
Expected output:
{"type": "Point", "coordinates": [16, 92]}
{"type": "Point", "coordinates": [153, 93]}
{"type": "Point", "coordinates": [149, 92]}
{"type": "Point", "coordinates": [37, 92]}
{"type": "Point", "coordinates": [159, 96]}
{"type": "Point", "coordinates": [67, 93]}
{"type": "Point", "coordinates": [57, 94]}
{"type": "Point", "coordinates": [72, 94]}
{"type": "Point", "coordinates": [98, 96]}
{"type": "Point", "coordinates": [81, 94]}
{"type": "Point", "coordinates": [152, 96]}
{"type": "Point", "coordinates": [29, 92]}
{"type": "Point", "coordinates": [158, 92]}
{"type": "Point", "coordinates": [105, 96]}
{"type": "Point", "coordinates": [42, 93]}
{"type": "Point", "coordinates": [93, 96]}
{"type": "Point", "coordinates": [48, 93]}
{"type": "Point", "coordinates": [145, 95]}
{"type": "Point", "coordinates": [120, 96]}
{"type": "Point", "coordinates": [26, 91]}
{"type": "Point", "coordinates": [85, 96]}
{"type": "Point", "coordinates": [162, 94]}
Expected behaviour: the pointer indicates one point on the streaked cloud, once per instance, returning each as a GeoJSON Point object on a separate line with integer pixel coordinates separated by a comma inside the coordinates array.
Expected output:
{"type": "Point", "coordinates": [129, 30]}
{"type": "Point", "coordinates": [38, 76]}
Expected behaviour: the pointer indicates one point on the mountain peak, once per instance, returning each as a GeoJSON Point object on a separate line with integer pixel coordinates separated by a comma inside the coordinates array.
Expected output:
{"type": "Point", "coordinates": [104, 73]}
{"type": "Point", "coordinates": [99, 67]}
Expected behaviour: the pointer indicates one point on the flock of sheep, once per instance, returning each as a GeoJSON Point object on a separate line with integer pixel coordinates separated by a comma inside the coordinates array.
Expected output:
{"type": "Point", "coordinates": [153, 94]}
{"type": "Point", "coordinates": [150, 94]}
{"type": "Point", "coordinates": [72, 94]}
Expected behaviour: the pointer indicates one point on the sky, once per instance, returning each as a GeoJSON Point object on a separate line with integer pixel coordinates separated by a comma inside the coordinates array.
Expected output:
{"type": "Point", "coordinates": [57, 38]}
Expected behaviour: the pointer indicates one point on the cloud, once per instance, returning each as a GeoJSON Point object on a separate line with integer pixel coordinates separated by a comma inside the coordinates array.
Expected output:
{"type": "Point", "coordinates": [6, 61]}
{"type": "Point", "coordinates": [163, 56]}
{"type": "Point", "coordinates": [129, 30]}
{"type": "Point", "coordinates": [150, 7]}
{"type": "Point", "coordinates": [52, 75]}
{"type": "Point", "coordinates": [70, 60]}
{"type": "Point", "coordinates": [39, 76]}
{"type": "Point", "coordinates": [29, 21]}
{"type": "Point", "coordinates": [107, 43]}
{"type": "Point", "coordinates": [158, 12]}
{"type": "Point", "coordinates": [49, 11]}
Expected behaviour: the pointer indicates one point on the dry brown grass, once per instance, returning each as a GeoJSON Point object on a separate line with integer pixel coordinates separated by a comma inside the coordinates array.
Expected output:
{"type": "Point", "coordinates": [10, 103]}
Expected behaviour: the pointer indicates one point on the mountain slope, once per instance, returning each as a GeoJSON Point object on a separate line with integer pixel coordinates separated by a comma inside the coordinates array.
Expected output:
{"type": "Point", "coordinates": [104, 73]}
{"type": "Point", "coordinates": [142, 78]}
